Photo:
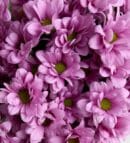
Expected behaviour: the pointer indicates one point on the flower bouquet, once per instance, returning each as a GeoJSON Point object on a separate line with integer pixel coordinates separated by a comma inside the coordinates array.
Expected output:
{"type": "Point", "coordinates": [64, 71]}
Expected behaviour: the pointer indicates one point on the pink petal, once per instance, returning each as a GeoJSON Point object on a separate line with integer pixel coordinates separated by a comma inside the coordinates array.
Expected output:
{"type": "Point", "coordinates": [50, 79]}
{"type": "Point", "coordinates": [83, 3]}
{"type": "Point", "coordinates": [13, 110]}
{"type": "Point", "coordinates": [12, 99]}
{"type": "Point", "coordinates": [95, 43]}
{"type": "Point", "coordinates": [37, 134]}
{"type": "Point", "coordinates": [118, 82]}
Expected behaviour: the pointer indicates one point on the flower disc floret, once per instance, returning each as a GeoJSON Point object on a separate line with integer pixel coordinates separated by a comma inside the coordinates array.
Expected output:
{"type": "Point", "coordinates": [60, 67]}
{"type": "Point", "coordinates": [68, 102]}
{"type": "Point", "coordinates": [71, 36]}
{"type": "Point", "coordinates": [46, 21]}
{"type": "Point", "coordinates": [106, 104]}
{"type": "Point", "coordinates": [73, 140]}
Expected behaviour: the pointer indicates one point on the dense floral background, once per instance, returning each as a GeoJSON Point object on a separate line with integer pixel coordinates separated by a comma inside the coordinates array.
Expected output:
{"type": "Point", "coordinates": [64, 71]}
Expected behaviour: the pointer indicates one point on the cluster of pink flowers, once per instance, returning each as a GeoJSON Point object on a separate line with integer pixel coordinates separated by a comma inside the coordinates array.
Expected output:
{"type": "Point", "coordinates": [64, 71]}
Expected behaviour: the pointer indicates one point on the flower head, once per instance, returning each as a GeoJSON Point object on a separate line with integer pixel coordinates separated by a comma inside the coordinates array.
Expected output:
{"type": "Point", "coordinates": [58, 67]}
{"type": "Point", "coordinates": [105, 105]}
{"type": "Point", "coordinates": [42, 15]}
{"type": "Point", "coordinates": [24, 96]}
{"type": "Point", "coordinates": [73, 33]}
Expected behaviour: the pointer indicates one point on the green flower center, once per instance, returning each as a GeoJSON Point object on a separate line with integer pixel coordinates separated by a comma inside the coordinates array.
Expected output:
{"type": "Point", "coordinates": [72, 36]}
{"type": "Point", "coordinates": [106, 104]}
{"type": "Point", "coordinates": [60, 67]}
{"type": "Point", "coordinates": [68, 102]}
{"type": "Point", "coordinates": [46, 22]}
{"type": "Point", "coordinates": [24, 96]}
{"type": "Point", "coordinates": [73, 140]}
{"type": "Point", "coordinates": [115, 37]}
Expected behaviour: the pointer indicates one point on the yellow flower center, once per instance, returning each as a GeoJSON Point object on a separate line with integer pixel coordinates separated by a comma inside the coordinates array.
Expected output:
{"type": "Point", "coordinates": [106, 104]}
{"type": "Point", "coordinates": [46, 22]}
{"type": "Point", "coordinates": [60, 67]}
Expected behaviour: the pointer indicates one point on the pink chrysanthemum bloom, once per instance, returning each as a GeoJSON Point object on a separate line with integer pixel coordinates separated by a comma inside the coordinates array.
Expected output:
{"type": "Point", "coordinates": [58, 67]}
{"type": "Point", "coordinates": [113, 36]}
{"type": "Point", "coordinates": [99, 5]}
{"type": "Point", "coordinates": [107, 103]}
{"type": "Point", "coordinates": [112, 42]}
{"type": "Point", "coordinates": [42, 14]}
{"type": "Point", "coordinates": [81, 134]}
{"type": "Point", "coordinates": [50, 126]}
{"type": "Point", "coordinates": [16, 47]}
{"type": "Point", "coordinates": [24, 95]}
{"type": "Point", "coordinates": [116, 134]}
{"type": "Point", "coordinates": [68, 97]}
{"type": "Point", "coordinates": [74, 33]}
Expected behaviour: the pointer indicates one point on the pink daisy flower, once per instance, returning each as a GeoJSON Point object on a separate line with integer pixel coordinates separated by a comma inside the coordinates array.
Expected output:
{"type": "Point", "coordinates": [16, 46]}
{"type": "Point", "coordinates": [74, 33]}
{"type": "Point", "coordinates": [58, 67]}
{"type": "Point", "coordinates": [107, 103]}
{"type": "Point", "coordinates": [24, 95]}
{"type": "Point", "coordinates": [42, 14]}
